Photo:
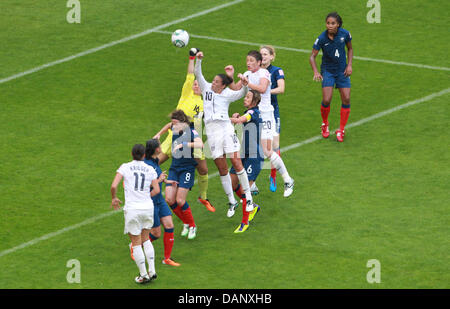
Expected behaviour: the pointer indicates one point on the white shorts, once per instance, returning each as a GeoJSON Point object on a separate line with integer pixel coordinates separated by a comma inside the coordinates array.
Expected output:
{"type": "Point", "coordinates": [137, 220]}
{"type": "Point", "coordinates": [269, 129]}
{"type": "Point", "coordinates": [221, 138]}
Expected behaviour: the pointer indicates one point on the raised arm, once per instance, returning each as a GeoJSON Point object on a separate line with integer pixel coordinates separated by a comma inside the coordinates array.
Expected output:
{"type": "Point", "coordinates": [229, 70]}
{"type": "Point", "coordinates": [198, 72]}
{"type": "Point", "coordinates": [163, 130]}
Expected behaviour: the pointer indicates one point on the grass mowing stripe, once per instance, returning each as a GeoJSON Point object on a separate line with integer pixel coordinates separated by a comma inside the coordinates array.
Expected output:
{"type": "Point", "coordinates": [113, 43]}
{"type": "Point", "coordinates": [284, 149]}
{"type": "Point", "coordinates": [308, 51]}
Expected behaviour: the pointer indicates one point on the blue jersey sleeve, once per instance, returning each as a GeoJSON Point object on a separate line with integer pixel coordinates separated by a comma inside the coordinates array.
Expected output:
{"type": "Point", "coordinates": [278, 74]}
{"type": "Point", "coordinates": [318, 43]}
{"type": "Point", "coordinates": [348, 37]}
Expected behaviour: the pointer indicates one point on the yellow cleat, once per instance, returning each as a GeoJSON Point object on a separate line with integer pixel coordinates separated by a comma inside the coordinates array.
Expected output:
{"type": "Point", "coordinates": [241, 228]}
{"type": "Point", "coordinates": [254, 212]}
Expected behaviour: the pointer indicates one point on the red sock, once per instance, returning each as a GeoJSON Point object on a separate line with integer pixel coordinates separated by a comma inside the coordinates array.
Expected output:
{"type": "Point", "coordinates": [245, 213]}
{"type": "Point", "coordinates": [239, 192]}
{"type": "Point", "coordinates": [187, 214]}
{"type": "Point", "coordinates": [168, 244]}
{"type": "Point", "coordinates": [345, 112]}
{"type": "Point", "coordinates": [273, 171]}
{"type": "Point", "coordinates": [325, 110]}
{"type": "Point", "coordinates": [177, 210]}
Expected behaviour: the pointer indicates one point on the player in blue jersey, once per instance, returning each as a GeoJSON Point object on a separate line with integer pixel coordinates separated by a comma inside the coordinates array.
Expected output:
{"type": "Point", "coordinates": [162, 214]}
{"type": "Point", "coordinates": [334, 70]}
{"type": "Point", "coordinates": [252, 155]}
{"type": "Point", "coordinates": [182, 170]}
{"type": "Point", "coordinates": [277, 87]}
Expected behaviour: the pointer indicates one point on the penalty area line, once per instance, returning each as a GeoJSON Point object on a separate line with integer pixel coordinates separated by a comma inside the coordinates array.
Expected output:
{"type": "Point", "coordinates": [308, 51]}
{"type": "Point", "coordinates": [284, 149]}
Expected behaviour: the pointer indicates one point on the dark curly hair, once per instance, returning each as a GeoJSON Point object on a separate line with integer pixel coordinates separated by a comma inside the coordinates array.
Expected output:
{"type": "Point", "coordinates": [336, 16]}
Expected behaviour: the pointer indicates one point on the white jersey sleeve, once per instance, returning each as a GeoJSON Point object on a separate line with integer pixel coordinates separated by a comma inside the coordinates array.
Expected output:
{"type": "Point", "coordinates": [203, 84]}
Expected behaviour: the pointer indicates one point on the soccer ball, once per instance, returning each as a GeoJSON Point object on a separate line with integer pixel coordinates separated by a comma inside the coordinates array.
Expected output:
{"type": "Point", "coordinates": [180, 38]}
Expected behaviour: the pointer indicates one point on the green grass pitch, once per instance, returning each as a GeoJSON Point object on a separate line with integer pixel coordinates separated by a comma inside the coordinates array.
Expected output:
{"type": "Point", "coordinates": [382, 194]}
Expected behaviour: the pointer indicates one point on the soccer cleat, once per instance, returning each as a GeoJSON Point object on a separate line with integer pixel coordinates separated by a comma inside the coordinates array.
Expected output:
{"type": "Point", "coordinates": [152, 277]}
{"type": "Point", "coordinates": [207, 204]}
{"type": "Point", "coordinates": [249, 206]}
{"type": "Point", "coordinates": [241, 228]}
{"type": "Point", "coordinates": [185, 230]}
{"type": "Point", "coordinates": [231, 209]}
{"type": "Point", "coordinates": [142, 279]}
{"type": "Point", "coordinates": [288, 188]}
{"type": "Point", "coordinates": [170, 262]}
{"type": "Point", "coordinates": [325, 130]}
{"type": "Point", "coordinates": [340, 135]}
{"type": "Point", "coordinates": [131, 251]}
{"type": "Point", "coordinates": [254, 212]}
{"type": "Point", "coordinates": [273, 184]}
{"type": "Point", "coordinates": [192, 232]}
{"type": "Point", "coordinates": [254, 189]}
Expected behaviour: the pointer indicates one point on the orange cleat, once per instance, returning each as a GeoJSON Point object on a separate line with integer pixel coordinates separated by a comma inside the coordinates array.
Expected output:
{"type": "Point", "coordinates": [325, 130]}
{"type": "Point", "coordinates": [340, 135]}
{"type": "Point", "coordinates": [170, 262]}
{"type": "Point", "coordinates": [207, 204]}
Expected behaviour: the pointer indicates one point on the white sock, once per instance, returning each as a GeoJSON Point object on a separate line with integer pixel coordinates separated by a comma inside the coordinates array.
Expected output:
{"type": "Point", "coordinates": [243, 179]}
{"type": "Point", "coordinates": [278, 163]}
{"type": "Point", "coordinates": [139, 258]}
{"type": "Point", "coordinates": [228, 188]}
{"type": "Point", "coordinates": [150, 255]}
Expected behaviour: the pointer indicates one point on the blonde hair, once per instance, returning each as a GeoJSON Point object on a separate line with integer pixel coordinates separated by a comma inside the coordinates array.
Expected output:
{"type": "Point", "coordinates": [271, 50]}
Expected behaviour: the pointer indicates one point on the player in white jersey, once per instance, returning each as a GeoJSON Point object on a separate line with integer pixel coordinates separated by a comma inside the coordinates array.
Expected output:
{"type": "Point", "coordinates": [140, 183]}
{"type": "Point", "coordinates": [258, 78]}
{"type": "Point", "coordinates": [220, 133]}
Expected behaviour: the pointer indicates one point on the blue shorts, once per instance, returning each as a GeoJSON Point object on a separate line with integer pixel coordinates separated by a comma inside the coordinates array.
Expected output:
{"type": "Point", "coordinates": [332, 79]}
{"type": "Point", "coordinates": [276, 115]}
{"type": "Point", "coordinates": [160, 210]}
{"type": "Point", "coordinates": [183, 175]}
{"type": "Point", "coordinates": [252, 167]}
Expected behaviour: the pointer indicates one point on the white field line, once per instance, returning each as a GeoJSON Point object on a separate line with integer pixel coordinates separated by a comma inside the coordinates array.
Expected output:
{"type": "Point", "coordinates": [284, 149]}
{"type": "Point", "coordinates": [113, 43]}
{"type": "Point", "coordinates": [308, 51]}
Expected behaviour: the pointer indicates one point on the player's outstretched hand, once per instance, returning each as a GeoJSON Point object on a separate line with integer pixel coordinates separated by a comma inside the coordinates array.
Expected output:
{"type": "Point", "coordinates": [317, 77]}
{"type": "Point", "coordinates": [171, 182]}
{"type": "Point", "coordinates": [193, 51]}
{"type": "Point", "coordinates": [162, 177]}
{"type": "Point", "coordinates": [200, 55]}
{"type": "Point", "coordinates": [115, 203]}
{"type": "Point", "coordinates": [235, 115]}
{"type": "Point", "coordinates": [229, 69]}
{"type": "Point", "coordinates": [348, 70]}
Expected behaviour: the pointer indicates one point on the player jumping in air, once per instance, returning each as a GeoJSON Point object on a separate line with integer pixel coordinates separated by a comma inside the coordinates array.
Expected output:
{"type": "Point", "coordinates": [334, 70]}
{"type": "Point", "coordinates": [258, 78]}
{"type": "Point", "coordinates": [182, 170]}
{"type": "Point", "coordinates": [191, 104]}
{"type": "Point", "coordinates": [222, 139]}
{"type": "Point", "coordinates": [251, 152]}
{"type": "Point", "coordinates": [277, 87]}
